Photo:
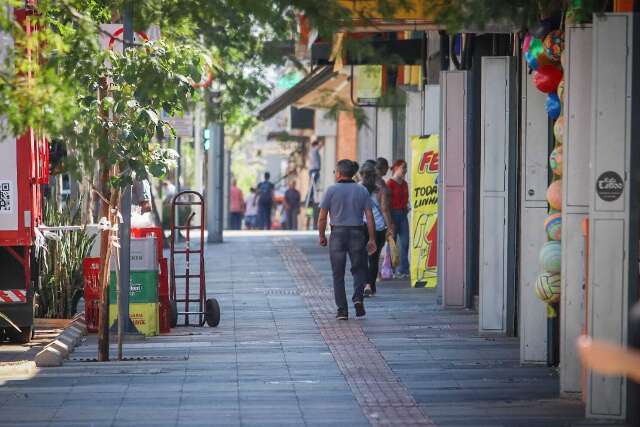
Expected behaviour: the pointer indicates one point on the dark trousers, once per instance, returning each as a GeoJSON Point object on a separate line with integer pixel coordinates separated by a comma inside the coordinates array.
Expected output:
{"type": "Point", "coordinates": [235, 220]}
{"type": "Point", "coordinates": [292, 219]}
{"type": "Point", "coordinates": [264, 217]}
{"type": "Point", "coordinates": [401, 236]}
{"type": "Point", "coordinates": [374, 259]}
{"type": "Point", "coordinates": [350, 241]}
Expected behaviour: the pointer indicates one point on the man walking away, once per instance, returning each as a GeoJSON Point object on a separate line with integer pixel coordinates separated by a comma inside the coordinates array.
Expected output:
{"type": "Point", "coordinates": [265, 202]}
{"type": "Point", "coordinates": [236, 206]}
{"type": "Point", "coordinates": [347, 203]}
{"type": "Point", "coordinates": [292, 206]}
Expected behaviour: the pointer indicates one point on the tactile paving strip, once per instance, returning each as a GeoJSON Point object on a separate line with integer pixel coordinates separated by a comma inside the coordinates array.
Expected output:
{"type": "Point", "coordinates": [382, 397]}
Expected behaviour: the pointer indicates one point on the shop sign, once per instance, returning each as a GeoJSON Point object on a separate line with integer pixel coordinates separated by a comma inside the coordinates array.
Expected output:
{"type": "Point", "coordinates": [609, 186]}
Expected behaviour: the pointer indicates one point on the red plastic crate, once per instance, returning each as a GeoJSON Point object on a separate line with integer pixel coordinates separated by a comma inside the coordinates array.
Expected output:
{"type": "Point", "coordinates": [90, 273]}
{"type": "Point", "coordinates": [165, 314]}
{"type": "Point", "coordinates": [163, 279]}
{"type": "Point", "coordinates": [92, 314]}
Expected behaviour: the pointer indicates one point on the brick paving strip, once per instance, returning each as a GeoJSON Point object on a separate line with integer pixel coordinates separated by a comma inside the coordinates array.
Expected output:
{"type": "Point", "coordinates": [382, 397]}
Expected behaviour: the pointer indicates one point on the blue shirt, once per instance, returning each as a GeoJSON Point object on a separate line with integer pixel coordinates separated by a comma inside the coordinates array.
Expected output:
{"type": "Point", "coordinates": [378, 218]}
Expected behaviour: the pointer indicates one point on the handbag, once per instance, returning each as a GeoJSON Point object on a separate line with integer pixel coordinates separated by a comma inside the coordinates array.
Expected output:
{"type": "Point", "coordinates": [386, 272]}
{"type": "Point", "coordinates": [395, 252]}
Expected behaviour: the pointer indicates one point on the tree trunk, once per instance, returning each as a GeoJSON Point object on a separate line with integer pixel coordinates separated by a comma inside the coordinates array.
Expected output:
{"type": "Point", "coordinates": [105, 258]}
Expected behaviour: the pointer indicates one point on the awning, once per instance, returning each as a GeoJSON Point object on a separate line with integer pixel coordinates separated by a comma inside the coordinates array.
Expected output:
{"type": "Point", "coordinates": [291, 96]}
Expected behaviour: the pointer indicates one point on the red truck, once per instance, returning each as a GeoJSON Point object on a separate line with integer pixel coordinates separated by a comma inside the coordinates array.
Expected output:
{"type": "Point", "coordinates": [24, 169]}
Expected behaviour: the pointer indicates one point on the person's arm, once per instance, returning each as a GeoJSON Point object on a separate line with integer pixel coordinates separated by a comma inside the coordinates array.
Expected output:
{"type": "Point", "coordinates": [386, 211]}
{"type": "Point", "coordinates": [322, 226]}
{"type": "Point", "coordinates": [608, 358]}
{"type": "Point", "coordinates": [371, 244]}
{"type": "Point", "coordinates": [408, 196]}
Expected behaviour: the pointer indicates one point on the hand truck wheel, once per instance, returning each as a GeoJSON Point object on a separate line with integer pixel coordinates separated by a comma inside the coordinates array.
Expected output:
{"type": "Point", "coordinates": [212, 312]}
{"type": "Point", "coordinates": [173, 319]}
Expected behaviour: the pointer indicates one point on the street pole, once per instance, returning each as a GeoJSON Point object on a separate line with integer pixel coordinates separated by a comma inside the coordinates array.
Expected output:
{"type": "Point", "coordinates": [215, 182]}
{"type": "Point", "coordinates": [179, 165]}
{"type": "Point", "coordinates": [198, 148]}
{"type": "Point", "coordinates": [125, 206]}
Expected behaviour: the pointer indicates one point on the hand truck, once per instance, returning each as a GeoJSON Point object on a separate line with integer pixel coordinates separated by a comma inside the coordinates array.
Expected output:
{"type": "Point", "coordinates": [208, 309]}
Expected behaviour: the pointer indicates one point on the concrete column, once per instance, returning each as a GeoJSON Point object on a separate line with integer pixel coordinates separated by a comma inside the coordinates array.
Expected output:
{"type": "Point", "coordinates": [575, 203]}
{"type": "Point", "coordinates": [533, 211]}
{"type": "Point", "coordinates": [384, 138]}
{"type": "Point", "coordinates": [215, 183]}
{"type": "Point", "coordinates": [453, 264]}
{"type": "Point", "coordinates": [367, 136]}
{"type": "Point", "coordinates": [613, 202]}
{"type": "Point", "coordinates": [498, 196]}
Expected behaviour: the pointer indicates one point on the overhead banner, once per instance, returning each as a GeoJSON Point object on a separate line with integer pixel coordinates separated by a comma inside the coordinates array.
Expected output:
{"type": "Point", "coordinates": [424, 203]}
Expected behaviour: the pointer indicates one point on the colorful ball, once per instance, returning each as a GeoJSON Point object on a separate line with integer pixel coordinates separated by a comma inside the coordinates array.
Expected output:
{"type": "Point", "coordinates": [542, 59]}
{"type": "Point", "coordinates": [531, 61]}
{"type": "Point", "coordinates": [560, 90]}
{"type": "Point", "coordinates": [554, 45]}
{"type": "Point", "coordinates": [553, 226]}
{"type": "Point", "coordinates": [552, 106]}
{"type": "Point", "coordinates": [550, 257]}
{"type": "Point", "coordinates": [555, 160]}
{"type": "Point", "coordinates": [548, 287]}
{"type": "Point", "coordinates": [558, 129]}
{"type": "Point", "coordinates": [554, 195]}
{"type": "Point", "coordinates": [526, 43]}
{"type": "Point", "coordinates": [535, 47]}
{"type": "Point", "coordinates": [546, 78]}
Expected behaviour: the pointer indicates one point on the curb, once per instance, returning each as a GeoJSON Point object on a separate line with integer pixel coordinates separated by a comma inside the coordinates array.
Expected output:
{"type": "Point", "coordinates": [58, 350]}
{"type": "Point", "coordinates": [22, 367]}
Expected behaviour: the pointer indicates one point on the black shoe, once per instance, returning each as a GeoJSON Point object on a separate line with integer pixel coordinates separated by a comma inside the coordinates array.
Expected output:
{"type": "Point", "coordinates": [342, 315]}
{"type": "Point", "coordinates": [359, 305]}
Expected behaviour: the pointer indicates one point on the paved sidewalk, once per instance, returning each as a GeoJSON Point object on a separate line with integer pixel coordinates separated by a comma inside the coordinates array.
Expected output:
{"type": "Point", "coordinates": [279, 358]}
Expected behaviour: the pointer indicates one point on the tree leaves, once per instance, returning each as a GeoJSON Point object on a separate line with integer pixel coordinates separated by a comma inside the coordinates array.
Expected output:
{"type": "Point", "coordinates": [109, 105]}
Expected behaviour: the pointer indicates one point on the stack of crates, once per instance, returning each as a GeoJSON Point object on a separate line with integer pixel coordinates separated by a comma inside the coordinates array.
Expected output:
{"type": "Point", "coordinates": [143, 290]}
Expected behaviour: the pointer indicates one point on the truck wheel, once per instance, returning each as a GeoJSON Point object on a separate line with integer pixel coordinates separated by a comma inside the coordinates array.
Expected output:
{"type": "Point", "coordinates": [21, 337]}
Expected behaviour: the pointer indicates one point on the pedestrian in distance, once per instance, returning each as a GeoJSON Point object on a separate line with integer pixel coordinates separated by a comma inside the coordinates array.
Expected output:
{"type": "Point", "coordinates": [265, 202]}
{"type": "Point", "coordinates": [382, 168]}
{"type": "Point", "coordinates": [315, 162]}
{"type": "Point", "coordinates": [141, 195]}
{"type": "Point", "coordinates": [251, 211]}
{"type": "Point", "coordinates": [382, 220]}
{"type": "Point", "coordinates": [347, 203]}
{"type": "Point", "coordinates": [399, 192]}
{"type": "Point", "coordinates": [292, 206]}
{"type": "Point", "coordinates": [236, 206]}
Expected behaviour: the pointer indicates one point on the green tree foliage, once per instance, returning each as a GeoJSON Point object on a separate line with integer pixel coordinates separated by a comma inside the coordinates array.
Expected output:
{"type": "Point", "coordinates": [108, 105]}
{"type": "Point", "coordinates": [459, 15]}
